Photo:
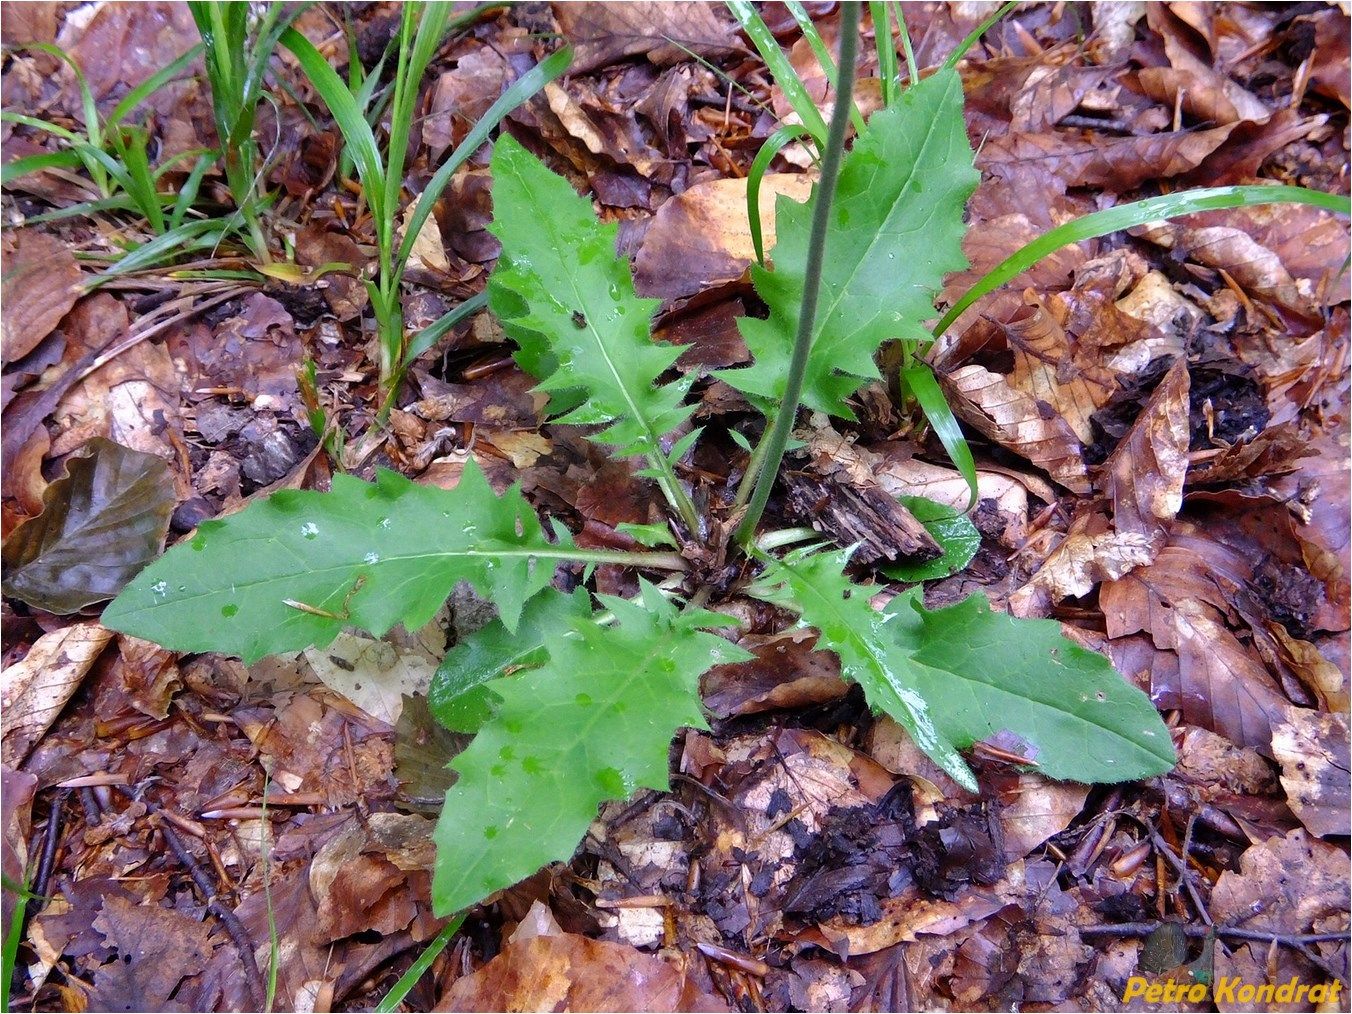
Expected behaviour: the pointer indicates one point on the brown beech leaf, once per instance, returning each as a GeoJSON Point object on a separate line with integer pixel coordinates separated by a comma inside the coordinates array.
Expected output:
{"type": "Point", "coordinates": [1322, 482]}
{"type": "Point", "coordinates": [155, 949]}
{"type": "Point", "coordinates": [1116, 164]}
{"type": "Point", "coordinates": [42, 283]}
{"type": "Point", "coordinates": [702, 238]}
{"type": "Point", "coordinates": [666, 32]}
{"type": "Point", "coordinates": [1016, 421]}
{"type": "Point", "coordinates": [1049, 366]}
{"type": "Point", "coordinates": [1184, 600]}
{"type": "Point", "coordinates": [786, 673]}
{"type": "Point", "coordinates": [1328, 69]}
{"type": "Point", "coordinates": [1312, 748]}
{"type": "Point", "coordinates": [1222, 686]}
{"type": "Point", "coordinates": [1205, 93]}
{"type": "Point", "coordinates": [1296, 884]}
{"type": "Point", "coordinates": [568, 972]}
{"type": "Point", "coordinates": [1256, 269]}
{"type": "Point", "coordinates": [38, 687]}
{"type": "Point", "coordinates": [100, 525]}
{"type": "Point", "coordinates": [1144, 476]}
{"type": "Point", "coordinates": [1092, 551]}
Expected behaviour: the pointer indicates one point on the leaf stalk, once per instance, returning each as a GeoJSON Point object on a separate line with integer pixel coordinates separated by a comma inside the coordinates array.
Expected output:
{"type": "Point", "coordinates": [777, 437]}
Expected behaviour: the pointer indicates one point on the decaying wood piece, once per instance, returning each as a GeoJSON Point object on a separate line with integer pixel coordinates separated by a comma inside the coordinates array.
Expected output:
{"type": "Point", "coordinates": [849, 511]}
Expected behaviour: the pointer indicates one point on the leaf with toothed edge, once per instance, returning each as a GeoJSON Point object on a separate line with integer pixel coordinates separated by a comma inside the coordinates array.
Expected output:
{"type": "Point", "coordinates": [814, 585]}
{"type": "Point", "coordinates": [985, 672]}
{"type": "Point", "coordinates": [568, 300]}
{"type": "Point", "coordinates": [896, 229]}
{"type": "Point", "coordinates": [591, 724]}
{"type": "Point", "coordinates": [291, 571]}
{"type": "Point", "coordinates": [955, 676]}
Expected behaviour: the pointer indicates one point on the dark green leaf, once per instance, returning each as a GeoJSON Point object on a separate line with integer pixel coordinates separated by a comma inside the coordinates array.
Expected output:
{"type": "Point", "coordinates": [100, 525]}
{"type": "Point", "coordinates": [985, 672]}
{"type": "Point", "coordinates": [895, 230]}
{"type": "Point", "coordinates": [814, 585]}
{"type": "Point", "coordinates": [593, 723]}
{"type": "Point", "coordinates": [954, 532]}
{"type": "Point", "coordinates": [294, 569]}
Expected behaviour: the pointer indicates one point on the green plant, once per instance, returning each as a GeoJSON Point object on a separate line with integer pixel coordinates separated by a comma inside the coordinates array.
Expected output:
{"type": "Point", "coordinates": [237, 57]}
{"type": "Point", "coordinates": [116, 156]}
{"type": "Point", "coordinates": [572, 705]}
{"type": "Point", "coordinates": [421, 30]}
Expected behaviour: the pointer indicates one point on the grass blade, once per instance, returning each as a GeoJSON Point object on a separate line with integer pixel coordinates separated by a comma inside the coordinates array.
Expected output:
{"type": "Point", "coordinates": [521, 89]}
{"type": "Point", "coordinates": [887, 50]}
{"type": "Point", "coordinates": [979, 31]}
{"type": "Point", "coordinates": [1129, 216]}
{"type": "Point", "coordinates": [416, 970]}
{"type": "Point", "coordinates": [778, 64]}
{"type": "Point", "coordinates": [152, 84]}
{"type": "Point", "coordinates": [920, 382]}
{"type": "Point", "coordinates": [823, 55]}
{"type": "Point", "coordinates": [36, 163]}
{"type": "Point", "coordinates": [435, 331]}
{"type": "Point", "coordinates": [773, 145]}
{"type": "Point", "coordinates": [347, 113]}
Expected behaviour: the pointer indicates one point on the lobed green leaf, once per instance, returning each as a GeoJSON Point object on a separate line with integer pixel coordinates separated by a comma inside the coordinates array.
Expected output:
{"type": "Point", "coordinates": [294, 569]}
{"type": "Point", "coordinates": [955, 676]}
{"type": "Point", "coordinates": [896, 230]}
{"type": "Point", "coordinates": [569, 302]}
{"type": "Point", "coordinates": [985, 672]}
{"type": "Point", "coordinates": [815, 586]}
{"type": "Point", "coordinates": [460, 697]}
{"type": "Point", "coordinates": [593, 723]}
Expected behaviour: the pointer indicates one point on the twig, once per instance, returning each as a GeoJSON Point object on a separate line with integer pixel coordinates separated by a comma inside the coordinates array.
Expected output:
{"type": "Point", "coordinates": [51, 838]}
{"type": "Point", "coordinates": [1144, 929]}
{"type": "Point", "coordinates": [235, 928]}
{"type": "Point", "coordinates": [1184, 874]}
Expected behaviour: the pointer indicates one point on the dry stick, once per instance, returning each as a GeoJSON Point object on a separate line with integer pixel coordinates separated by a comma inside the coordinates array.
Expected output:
{"type": "Point", "coordinates": [51, 838]}
{"type": "Point", "coordinates": [252, 977]}
{"type": "Point", "coordinates": [777, 437]}
{"type": "Point", "coordinates": [1296, 941]}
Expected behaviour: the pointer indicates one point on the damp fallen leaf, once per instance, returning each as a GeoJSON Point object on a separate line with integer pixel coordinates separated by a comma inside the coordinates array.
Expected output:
{"type": "Point", "coordinates": [100, 525]}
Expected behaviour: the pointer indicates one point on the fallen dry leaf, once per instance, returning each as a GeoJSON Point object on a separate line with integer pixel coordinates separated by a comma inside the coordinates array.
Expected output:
{"type": "Point", "coordinates": [1144, 476]}
{"type": "Point", "coordinates": [1312, 748]}
{"type": "Point", "coordinates": [155, 948]}
{"type": "Point", "coordinates": [1013, 420]}
{"type": "Point", "coordinates": [1295, 884]}
{"type": "Point", "coordinates": [665, 32]}
{"type": "Point", "coordinates": [100, 525]}
{"type": "Point", "coordinates": [702, 238]}
{"type": "Point", "coordinates": [38, 687]}
{"type": "Point", "coordinates": [1092, 551]}
{"type": "Point", "coordinates": [568, 972]}
{"type": "Point", "coordinates": [1116, 164]}
{"type": "Point", "coordinates": [1050, 367]}
{"type": "Point", "coordinates": [42, 283]}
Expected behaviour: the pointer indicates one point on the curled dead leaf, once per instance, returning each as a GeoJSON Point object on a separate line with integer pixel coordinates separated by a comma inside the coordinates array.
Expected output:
{"type": "Point", "coordinates": [568, 972]}
{"type": "Point", "coordinates": [100, 525]}
{"type": "Point", "coordinates": [42, 283]}
{"type": "Point", "coordinates": [1143, 477]}
{"type": "Point", "coordinates": [1016, 421]}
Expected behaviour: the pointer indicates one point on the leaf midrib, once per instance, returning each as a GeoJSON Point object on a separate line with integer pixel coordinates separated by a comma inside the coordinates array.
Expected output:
{"type": "Point", "coordinates": [880, 232]}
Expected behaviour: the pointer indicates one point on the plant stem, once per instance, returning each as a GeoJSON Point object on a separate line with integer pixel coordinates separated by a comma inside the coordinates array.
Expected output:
{"type": "Point", "coordinates": [785, 537]}
{"type": "Point", "coordinates": [777, 437]}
